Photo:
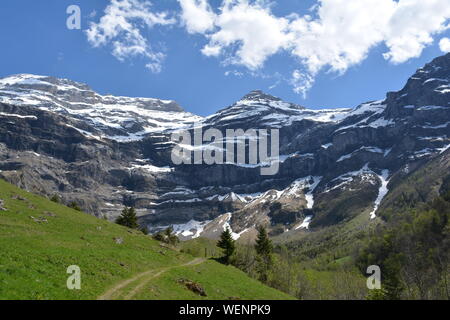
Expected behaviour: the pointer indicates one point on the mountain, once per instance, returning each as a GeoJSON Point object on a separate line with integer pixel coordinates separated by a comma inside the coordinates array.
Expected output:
{"type": "Point", "coordinates": [116, 118]}
{"type": "Point", "coordinates": [105, 152]}
{"type": "Point", "coordinates": [268, 111]}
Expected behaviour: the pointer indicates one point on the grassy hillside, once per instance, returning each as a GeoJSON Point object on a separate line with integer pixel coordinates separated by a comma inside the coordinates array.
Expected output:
{"type": "Point", "coordinates": [201, 247]}
{"type": "Point", "coordinates": [219, 281]}
{"type": "Point", "coordinates": [39, 239]}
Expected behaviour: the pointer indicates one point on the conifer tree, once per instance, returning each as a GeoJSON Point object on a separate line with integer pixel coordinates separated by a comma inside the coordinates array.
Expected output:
{"type": "Point", "coordinates": [228, 245]}
{"type": "Point", "coordinates": [128, 218]}
{"type": "Point", "coordinates": [73, 205]}
{"type": "Point", "coordinates": [171, 236]}
{"type": "Point", "coordinates": [264, 250]}
{"type": "Point", "coordinates": [167, 236]}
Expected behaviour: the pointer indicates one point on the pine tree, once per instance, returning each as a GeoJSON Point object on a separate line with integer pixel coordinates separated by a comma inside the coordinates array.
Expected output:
{"type": "Point", "coordinates": [171, 237]}
{"type": "Point", "coordinates": [264, 250]}
{"type": "Point", "coordinates": [167, 236]}
{"type": "Point", "coordinates": [168, 232]}
{"type": "Point", "coordinates": [73, 205]}
{"type": "Point", "coordinates": [55, 198]}
{"type": "Point", "coordinates": [263, 244]}
{"type": "Point", "coordinates": [227, 243]}
{"type": "Point", "coordinates": [144, 230]}
{"type": "Point", "coordinates": [128, 218]}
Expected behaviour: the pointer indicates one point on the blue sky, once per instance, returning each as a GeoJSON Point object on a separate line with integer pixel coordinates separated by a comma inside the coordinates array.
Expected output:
{"type": "Point", "coordinates": [35, 40]}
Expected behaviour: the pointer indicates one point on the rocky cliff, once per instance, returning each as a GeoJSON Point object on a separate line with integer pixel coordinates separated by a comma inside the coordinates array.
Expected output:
{"type": "Point", "coordinates": [104, 152]}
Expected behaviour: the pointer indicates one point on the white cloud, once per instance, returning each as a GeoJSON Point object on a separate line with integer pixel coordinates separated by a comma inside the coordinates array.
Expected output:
{"type": "Point", "coordinates": [273, 86]}
{"type": "Point", "coordinates": [92, 14]}
{"type": "Point", "coordinates": [155, 67]}
{"type": "Point", "coordinates": [444, 45]}
{"type": "Point", "coordinates": [197, 15]}
{"type": "Point", "coordinates": [301, 82]}
{"type": "Point", "coordinates": [346, 30]}
{"type": "Point", "coordinates": [333, 35]}
{"type": "Point", "coordinates": [342, 34]}
{"type": "Point", "coordinates": [247, 33]}
{"type": "Point", "coordinates": [234, 73]}
{"type": "Point", "coordinates": [412, 26]}
{"type": "Point", "coordinates": [121, 26]}
{"type": "Point", "coordinates": [250, 32]}
{"type": "Point", "coordinates": [212, 50]}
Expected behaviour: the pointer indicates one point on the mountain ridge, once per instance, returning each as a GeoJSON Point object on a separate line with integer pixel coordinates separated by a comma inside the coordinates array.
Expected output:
{"type": "Point", "coordinates": [354, 152]}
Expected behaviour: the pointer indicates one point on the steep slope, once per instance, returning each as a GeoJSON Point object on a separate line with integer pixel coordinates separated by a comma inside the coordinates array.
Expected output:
{"type": "Point", "coordinates": [353, 155]}
{"type": "Point", "coordinates": [41, 239]}
{"type": "Point", "coordinates": [58, 136]}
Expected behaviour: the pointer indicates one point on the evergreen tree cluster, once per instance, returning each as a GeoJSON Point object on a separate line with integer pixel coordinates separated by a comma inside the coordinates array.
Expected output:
{"type": "Point", "coordinates": [263, 248]}
{"type": "Point", "coordinates": [167, 236]}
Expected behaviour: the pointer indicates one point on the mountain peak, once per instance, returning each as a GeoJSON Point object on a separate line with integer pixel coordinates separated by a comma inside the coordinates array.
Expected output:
{"type": "Point", "coordinates": [260, 98]}
{"type": "Point", "coordinates": [429, 86]}
{"type": "Point", "coordinates": [259, 95]}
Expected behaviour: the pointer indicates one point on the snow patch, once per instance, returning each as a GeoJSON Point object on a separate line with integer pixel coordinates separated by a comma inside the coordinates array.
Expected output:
{"type": "Point", "coordinates": [2, 114]}
{"type": "Point", "coordinates": [441, 126]}
{"type": "Point", "coordinates": [381, 192]}
{"type": "Point", "coordinates": [226, 225]}
{"type": "Point", "coordinates": [151, 168]}
{"type": "Point", "coordinates": [191, 229]}
{"type": "Point", "coordinates": [369, 149]}
{"type": "Point", "coordinates": [346, 178]}
{"type": "Point", "coordinates": [305, 223]}
{"type": "Point", "coordinates": [427, 108]}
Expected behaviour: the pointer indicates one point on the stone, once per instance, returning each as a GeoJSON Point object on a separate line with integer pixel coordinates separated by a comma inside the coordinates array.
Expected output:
{"type": "Point", "coordinates": [193, 286]}
{"type": "Point", "coordinates": [2, 203]}
{"type": "Point", "coordinates": [39, 219]}
{"type": "Point", "coordinates": [118, 240]}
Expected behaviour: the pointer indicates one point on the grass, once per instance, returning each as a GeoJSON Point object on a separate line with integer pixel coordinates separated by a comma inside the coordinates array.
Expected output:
{"type": "Point", "coordinates": [34, 256]}
{"type": "Point", "coordinates": [201, 247]}
{"type": "Point", "coordinates": [217, 280]}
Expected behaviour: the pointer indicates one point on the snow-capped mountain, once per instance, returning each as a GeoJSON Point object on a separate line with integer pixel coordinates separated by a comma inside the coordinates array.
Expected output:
{"type": "Point", "coordinates": [269, 111]}
{"type": "Point", "coordinates": [106, 152]}
{"type": "Point", "coordinates": [116, 118]}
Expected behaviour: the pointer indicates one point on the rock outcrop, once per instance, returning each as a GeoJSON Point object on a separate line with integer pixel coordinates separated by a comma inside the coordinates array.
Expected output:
{"type": "Point", "coordinates": [60, 137]}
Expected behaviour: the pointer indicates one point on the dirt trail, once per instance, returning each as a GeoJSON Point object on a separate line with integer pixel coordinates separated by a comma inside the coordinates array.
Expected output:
{"type": "Point", "coordinates": [144, 278]}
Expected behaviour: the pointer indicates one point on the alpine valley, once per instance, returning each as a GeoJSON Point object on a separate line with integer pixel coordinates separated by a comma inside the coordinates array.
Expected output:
{"type": "Point", "coordinates": [104, 152]}
{"type": "Point", "coordinates": [343, 173]}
